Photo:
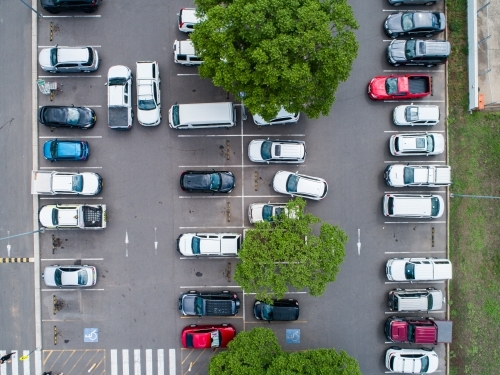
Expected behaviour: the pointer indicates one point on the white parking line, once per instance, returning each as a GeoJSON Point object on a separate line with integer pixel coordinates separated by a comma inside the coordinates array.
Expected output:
{"type": "Point", "coordinates": [192, 74]}
{"type": "Point", "coordinates": [235, 166]}
{"type": "Point", "coordinates": [70, 167]}
{"type": "Point", "coordinates": [75, 197]}
{"type": "Point", "coordinates": [208, 286]}
{"type": "Point", "coordinates": [68, 259]}
{"type": "Point", "coordinates": [238, 135]}
{"type": "Point", "coordinates": [82, 16]}
{"type": "Point", "coordinates": [412, 131]}
{"type": "Point", "coordinates": [171, 362]}
{"type": "Point", "coordinates": [230, 196]}
{"type": "Point", "coordinates": [285, 293]}
{"type": "Point", "coordinates": [412, 71]}
{"type": "Point", "coordinates": [66, 46]}
{"type": "Point", "coordinates": [208, 227]}
{"type": "Point", "coordinates": [413, 101]}
{"type": "Point", "coordinates": [78, 137]}
{"type": "Point", "coordinates": [71, 290]}
{"type": "Point", "coordinates": [415, 282]}
{"type": "Point", "coordinates": [418, 192]}
{"type": "Point", "coordinates": [58, 76]}
{"type": "Point", "coordinates": [405, 312]}
{"type": "Point", "coordinates": [412, 252]}
{"type": "Point", "coordinates": [415, 222]}
{"type": "Point", "coordinates": [416, 161]}
{"type": "Point", "coordinates": [83, 105]}
{"type": "Point", "coordinates": [207, 257]}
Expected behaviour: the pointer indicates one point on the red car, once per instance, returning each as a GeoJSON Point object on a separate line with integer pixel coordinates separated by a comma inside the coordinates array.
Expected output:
{"type": "Point", "coordinates": [207, 336]}
{"type": "Point", "coordinates": [409, 86]}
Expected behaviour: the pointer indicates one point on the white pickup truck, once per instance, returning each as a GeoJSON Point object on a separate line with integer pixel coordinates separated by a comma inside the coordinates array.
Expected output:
{"type": "Point", "coordinates": [209, 244]}
{"type": "Point", "coordinates": [400, 175]}
{"type": "Point", "coordinates": [52, 183]}
{"type": "Point", "coordinates": [73, 216]}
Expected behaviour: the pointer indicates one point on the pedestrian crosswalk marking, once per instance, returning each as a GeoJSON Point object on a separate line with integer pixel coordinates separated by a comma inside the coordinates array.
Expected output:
{"type": "Point", "coordinates": [27, 362]}
{"type": "Point", "coordinates": [114, 363]}
{"type": "Point", "coordinates": [149, 362]}
{"type": "Point", "coordinates": [137, 361]}
{"type": "Point", "coordinates": [161, 366]}
{"type": "Point", "coordinates": [13, 367]}
{"type": "Point", "coordinates": [171, 361]}
{"type": "Point", "coordinates": [125, 361]}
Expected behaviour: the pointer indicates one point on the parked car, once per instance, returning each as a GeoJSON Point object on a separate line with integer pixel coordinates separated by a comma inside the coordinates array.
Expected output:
{"type": "Point", "coordinates": [418, 330]}
{"type": "Point", "coordinates": [148, 93]}
{"type": "Point", "coordinates": [53, 183]}
{"type": "Point", "coordinates": [223, 303]}
{"type": "Point", "coordinates": [300, 185]}
{"type": "Point", "coordinates": [282, 309]}
{"type": "Point", "coordinates": [120, 113]}
{"type": "Point", "coordinates": [409, 300]}
{"type": "Point", "coordinates": [67, 116]}
{"type": "Point", "coordinates": [399, 87]}
{"type": "Point", "coordinates": [56, 150]}
{"type": "Point", "coordinates": [55, 6]}
{"type": "Point", "coordinates": [73, 216]}
{"type": "Point", "coordinates": [400, 175]}
{"type": "Point", "coordinates": [411, 361]}
{"type": "Point", "coordinates": [283, 117]}
{"type": "Point", "coordinates": [209, 244]}
{"type": "Point", "coordinates": [207, 181]}
{"type": "Point", "coordinates": [412, 144]}
{"type": "Point", "coordinates": [70, 276]}
{"type": "Point", "coordinates": [185, 54]}
{"type": "Point", "coordinates": [418, 269]}
{"type": "Point", "coordinates": [416, 23]}
{"type": "Point", "coordinates": [412, 2]}
{"type": "Point", "coordinates": [276, 151]}
{"type": "Point", "coordinates": [413, 206]}
{"type": "Point", "coordinates": [187, 19]}
{"type": "Point", "coordinates": [207, 336]}
{"type": "Point", "coordinates": [418, 52]}
{"type": "Point", "coordinates": [411, 115]}
{"type": "Point", "coordinates": [266, 211]}
{"type": "Point", "coordinates": [69, 59]}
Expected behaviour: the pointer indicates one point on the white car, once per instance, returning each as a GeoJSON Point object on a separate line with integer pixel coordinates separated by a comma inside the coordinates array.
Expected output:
{"type": "Point", "coordinates": [411, 115]}
{"type": "Point", "coordinates": [69, 59]}
{"type": "Point", "coordinates": [413, 205]}
{"type": "Point", "coordinates": [411, 361]}
{"type": "Point", "coordinates": [209, 244]}
{"type": "Point", "coordinates": [46, 182]}
{"type": "Point", "coordinates": [300, 185]}
{"type": "Point", "coordinates": [187, 19]}
{"type": "Point", "coordinates": [185, 54]}
{"type": "Point", "coordinates": [418, 269]}
{"type": "Point", "coordinates": [401, 175]}
{"type": "Point", "coordinates": [416, 144]}
{"type": "Point", "coordinates": [120, 113]}
{"type": "Point", "coordinates": [276, 151]}
{"type": "Point", "coordinates": [148, 93]}
{"type": "Point", "coordinates": [69, 276]}
{"type": "Point", "coordinates": [283, 117]}
{"type": "Point", "coordinates": [266, 211]}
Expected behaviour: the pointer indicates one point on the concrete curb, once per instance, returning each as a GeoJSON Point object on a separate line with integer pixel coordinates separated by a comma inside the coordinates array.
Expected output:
{"type": "Point", "coordinates": [36, 236]}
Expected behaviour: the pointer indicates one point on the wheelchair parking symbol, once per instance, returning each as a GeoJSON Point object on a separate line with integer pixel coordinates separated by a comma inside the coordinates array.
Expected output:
{"type": "Point", "coordinates": [90, 335]}
{"type": "Point", "coordinates": [293, 336]}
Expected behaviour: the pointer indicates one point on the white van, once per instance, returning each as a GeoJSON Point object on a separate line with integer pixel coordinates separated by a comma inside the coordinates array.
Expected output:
{"type": "Point", "coordinates": [413, 205]}
{"type": "Point", "coordinates": [429, 299]}
{"type": "Point", "coordinates": [202, 116]}
{"type": "Point", "coordinates": [418, 269]}
{"type": "Point", "coordinates": [184, 53]}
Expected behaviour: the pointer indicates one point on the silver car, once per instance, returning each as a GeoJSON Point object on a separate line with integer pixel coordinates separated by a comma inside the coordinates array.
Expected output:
{"type": "Point", "coordinates": [416, 144]}
{"type": "Point", "coordinates": [276, 151]}
{"type": "Point", "coordinates": [70, 276]}
{"type": "Point", "coordinates": [300, 185]}
{"type": "Point", "coordinates": [265, 211]}
{"type": "Point", "coordinates": [283, 117]}
{"type": "Point", "coordinates": [69, 59]}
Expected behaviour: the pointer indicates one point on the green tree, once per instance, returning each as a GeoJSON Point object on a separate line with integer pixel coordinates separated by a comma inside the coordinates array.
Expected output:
{"type": "Point", "coordinates": [293, 53]}
{"type": "Point", "coordinates": [287, 253]}
{"type": "Point", "coordinates": [249, 353]}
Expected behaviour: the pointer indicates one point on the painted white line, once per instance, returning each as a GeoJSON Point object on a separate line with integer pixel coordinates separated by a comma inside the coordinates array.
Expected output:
{"type": "Point", "coordinates": [415, 222]}
{"type": "Point", "coordinates": [236, 166]}
{"type": "Point", "coordinates": [414, 252]}
{"type": "Point", "coordinates": [171, 361]}
{"type": "Point", "coordinates": [161, 365]}
{"type": "Point", "coordinates": [70, 168]}
{"type": "Point", "coordinates": [67, 46]}
{"type": "Point", "coordinates": [413, 101]}
{"type": "Point", "coordinates": [58, 76]}
{"type": "Point", "coordinates": [413, 71]}
{"type": "Point", "coordinates": [125, 362]}
{"type": "Point", "coordinates": [83, 105]}
{"type": "Point", "coordinates": [68, 259]}
{"type": "Point", "coordinates": [395, 11]}
{"type": "Point", "coordinates": [70, 290]}
{"type": "Point", "coordinates": [114, 362]}
{"type": "Point", "coordinates": [207, 286]}
{"type": "Point", "coordinates": [79, 137]}
{"type": "Point", "coordinates": [415, 282]}
{"type": "Point", "coordinates": [285, 293]}
{"type": "Point", "coordinates": [15, 363]}
{"type": "Point", "coordinates": [230, 196]}
{"type": "Point", "coordinates": [75, 197]}
{"type": "Point", "coordinates": [412, 131]}
{"type": "Point", "coordinates": [137, 361]}
{"type": "Point", "coordinates": [416, 161]}
{"type": "Point", "coordinates": [82, 16]}
{"type": "Point", "coordinates": [26, 363]}
{"type": "Point", "coordinates": [3, 369]}
{"type": "Point", "coordinates": [417, 192]}
{"type": "Point", "coordinates": [149, 362]}
{"type": "Point", "coordinates": [406, 312]}
{"type": "Point", "coordinates": [242, 179]}
{"type": "Point", "coordinates": [239, 135]}
{"type": "Point", "coordinates": [207, 257]}
{"type": "Point", "coordinates": [208, 227]}
{"type": "Point", "coordinates": [186, 74]}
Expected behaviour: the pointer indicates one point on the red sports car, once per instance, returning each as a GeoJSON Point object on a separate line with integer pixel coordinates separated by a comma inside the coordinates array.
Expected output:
{"type": "Point", "coordinates": [208, 336]}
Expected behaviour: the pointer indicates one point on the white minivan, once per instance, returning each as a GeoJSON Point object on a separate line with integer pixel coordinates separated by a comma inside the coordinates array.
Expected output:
{"type": "Point", "coordinates": [184, 53]}
{"type": "Point", "coordinates": [202, 116]}
{"type": "Point", "coordinates": [413, 205]}
{"type": "Point", "coordinates": [418, 269]}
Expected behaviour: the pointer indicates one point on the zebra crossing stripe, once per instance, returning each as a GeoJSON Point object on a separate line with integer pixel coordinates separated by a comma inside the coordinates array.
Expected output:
{"type": "Point", "coordinates": [161, 366]}
{"type": "Point", "coordinates": [26, 362]}
{"type": "Point", "coordinates": [137, 361]}
{"type": "Point", "coordinates": [125, 360]}
{"type": "Point", "coordinates": [15, 363]}
{"type": "Point", "coordinates": [114, 362]}
{"type": "Point", "coordinates": [3, 369]}
{"type": "Point", "coordinates": [171, 361]}
{"type": "Point", "coordinates": [149, 362]}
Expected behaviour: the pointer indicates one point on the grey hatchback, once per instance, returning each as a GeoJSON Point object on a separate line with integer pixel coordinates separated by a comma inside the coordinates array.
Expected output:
{"type": "Point", "coordinates": [68, 59]}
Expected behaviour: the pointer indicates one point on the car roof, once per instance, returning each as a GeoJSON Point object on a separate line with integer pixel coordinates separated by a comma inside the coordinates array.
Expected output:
{"type": "Point", "coordinates": [189, 15]}
{"type": "Point", "coordinates": [72, 54]}
{"type": "Point", "coordinates": [310, 186]}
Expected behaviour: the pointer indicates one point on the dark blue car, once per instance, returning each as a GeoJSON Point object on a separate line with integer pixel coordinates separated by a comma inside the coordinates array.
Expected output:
{"type": "Point", "coordinates": [55, 150]}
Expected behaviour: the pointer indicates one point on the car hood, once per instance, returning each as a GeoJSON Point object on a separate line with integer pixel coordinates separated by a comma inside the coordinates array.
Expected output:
{"type": "Point", "coordinates": [399, 331]}
{"type": "Point", "coordinates": [398, 270]}
{"type": "Point", "coordinates": [399, 114]}
{"type": "Point", "coordinates": [91, 183]}
{"type": "Point", "coordinates": [377, 86]}
{"type": "Point", "coordinates": [254, 150]}
{"type": "Point", "coordinates": [185, 244]}
{"type": "Point", "coordinates": [397, 50]}
{"type": "Point", "coordinates": [149, 117]}
{"type": "Point", "coordinates": [256, 212]}
{"type": "Point", "coordinates": [393, 23]}
{"type": "Point", "coordinates": [48, 276]}
{"type": "Point", "coordinates": [437, 299]}
{"type": "Point", "coordinates": [87, 116]}
{"type": "Point", "coordinates": [227, 182]}
{"type": "Point", "coordinates": [279, 181]}
{"type": "Point", "coordinates": [44, 58]}
{"type": "Point", "coordinates": [396, 174]}
{"type": "Point", "coordinates": [438, 143]}
{"type": "Point", "coordinates": [45, 216]}
{"type": "Point", "coordinates": [257, 310]}
{"type": "Point", "coordinates": [46, 149]}
{"type": "Point", "coordinates": [188, 304]}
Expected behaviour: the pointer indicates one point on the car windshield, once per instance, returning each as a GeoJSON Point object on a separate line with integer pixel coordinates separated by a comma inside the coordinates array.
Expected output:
{"type": "Point", "coordinates": [195, 245]}
{"type": "Point", "coordinates": [430, 143]}
{"type": "Point", "coordinates": [407, 21]}
{"type": "Point", "coordinates": [215, 181]}
{"type": "Point", "coordinates": [83, 277]}
{"type": "Point", "coordinates": [175, 115]}
{"type": "Point", "coordinates": [146, 105]}
{"type": "Point", "coordinates": [430, 302]}
{"type": "Point", "coordinates": [408, 175]}
{"type": "Point", "coordinates": [434, 206]}
{"type": "Point", "coordinates": [53, 56]}
{"type": "Point", "coordinates": [198, 306]}
{"type": "Point", "coordinates": [117, 81]}
{"type": "Point", "coordinates": [410, 49]}
{"type": "Point", "coordinates": [291, 183]}
{"type": "Point", "coordinates": [265, 150]}
{"type": "Point", "coordinates": [267, 213]}
{"type": "Point", "coordinates": [77, 183]}
{"type": "Point", "coordinates": [57, 277]}
{"type": "Point", "coordinates": [390, 206]}
{"type": "Point", "coordinates": [55, 216]}
{"type": "Point", "coordinates": [425, 364]}
{"type": "Point", "coordinates": [267, 312]}
{"type": "Point", "coordinates": [53, 149]}
{"type": "Point", "coordinates": [216, 338]}
{"type": "Point", "coordinates": [72, 116]}
{"type": "Point", "coordinates": [410, 271]}
{"type": "Point", "coordinates": [411, 113]}
{"type": "Point", "coordinates": [391, 85]}
{"type": "Point", "coordinates": [411, 332]}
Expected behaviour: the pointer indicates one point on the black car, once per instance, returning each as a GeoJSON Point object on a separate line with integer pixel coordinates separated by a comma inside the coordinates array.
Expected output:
{"type": "Point", "coordinates": [418, 52]}
{"type": "Point", "coordinates": [54, 6]}
{"type": "Point", "coordinates": [414, 23]}
{"type": "Point", "coordinates": [67, 116]}
{"type": "Point", "coordinates": [207, 181]}
{"type": "Point", "coordinates": [281, 309]}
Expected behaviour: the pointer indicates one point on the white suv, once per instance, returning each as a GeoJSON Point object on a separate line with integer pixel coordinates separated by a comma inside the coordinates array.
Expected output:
{"type": "Point", "coordinates": [416, 144]}
{"type": "Point", "coordinates": [187, 19]}
{"type": "Point", "coordinates": [276, 151]}
{"type": "Point", "coordinates": [69, 59]}
{"type": "Point", "coordinates": [411, 115]}
{"type": "Point", "coordinates": [283, 117]}
{"type": "Point", "coordinates": [184, 53]}
{"type": "Point", "coordinates": [413, 205]}
{"type": "Point", "coordinates": [411, 361]}
{"type": "Point", "coordinates": [209, 244]}
{"type": "Point", "coordinates": [148, 93]}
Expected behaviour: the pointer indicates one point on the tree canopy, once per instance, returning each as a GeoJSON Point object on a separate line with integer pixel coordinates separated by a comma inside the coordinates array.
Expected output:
{"type": "Point", "coordinates": [287, 252]}
{"type": "Point", "coordinates": [257, 352]}
{"type": "Point", "coordinates": [291, 53]}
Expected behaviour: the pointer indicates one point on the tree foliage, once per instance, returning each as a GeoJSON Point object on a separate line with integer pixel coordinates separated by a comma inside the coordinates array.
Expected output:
{"type": "Point", "coordinates": [257, 352]}
{"type": "Point", "coordinates": [287, 253]}
{"type": "Point", "coordinates": [293, 53]}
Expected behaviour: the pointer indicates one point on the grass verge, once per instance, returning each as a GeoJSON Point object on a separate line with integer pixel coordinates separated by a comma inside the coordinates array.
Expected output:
{"type": "Point", "coordinates": [474, 234]}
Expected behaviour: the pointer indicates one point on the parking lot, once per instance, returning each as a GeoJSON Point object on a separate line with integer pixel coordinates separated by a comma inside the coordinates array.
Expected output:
{"type": "Point", "coordinates": [140, 274]}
